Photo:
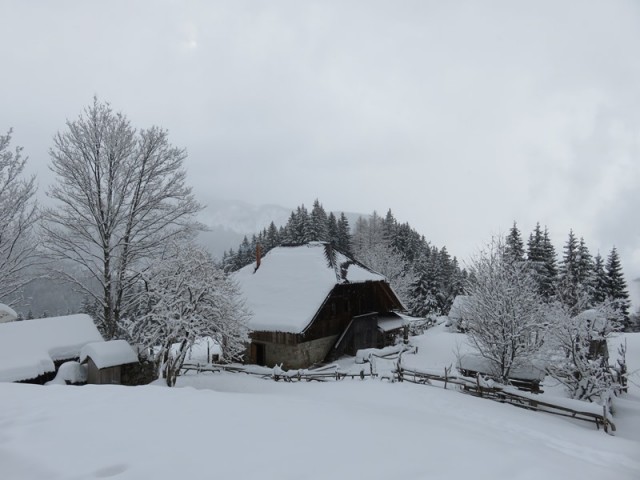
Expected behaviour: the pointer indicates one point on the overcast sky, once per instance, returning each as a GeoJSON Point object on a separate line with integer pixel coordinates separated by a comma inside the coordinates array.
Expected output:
{"type": "Point", "coordinates": [459, 116]}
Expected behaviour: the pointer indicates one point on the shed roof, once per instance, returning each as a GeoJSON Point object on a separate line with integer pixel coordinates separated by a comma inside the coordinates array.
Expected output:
{"type": "Point", "coordinates": [460, 304]}
{"type": "Point", "coordinates": [476, 363]}
{"type": "Point", "coordinates": [29, 348]}
{"type": "Point", "coordinates": [391, 322]}
{"type": "Point", "coordinates": [291, 284]}
{"type": "Point", "coordinates": [7, 314]}
{"type": "Point", "coordinates": [108, 354]}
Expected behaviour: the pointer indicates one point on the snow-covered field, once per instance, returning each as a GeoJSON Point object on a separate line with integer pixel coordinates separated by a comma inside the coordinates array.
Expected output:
{"type": "Point", "coordinates": [225, 425]}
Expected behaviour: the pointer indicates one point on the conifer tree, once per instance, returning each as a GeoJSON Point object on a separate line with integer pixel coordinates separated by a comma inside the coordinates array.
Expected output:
{"type": "Point", "coordinates": [617, 286]}
{"type": "Point", "coordinates": [584, 264]}
{"type": "Point", "coordinates": [569, 287]}
{"type": "Point", "coordinates": [550, 267]}
{"type": "Point", "coordinates": [536, 258]}
{"type": "Point", "coordinates": [344, 234]}
{"type": "Point", "coordinates": [332, 229]}
{"type": "Point", "coordinates": [599, 281]}
{"type": "Point", "coordinates": [317, 227]}
{"type": "Point", "coordinates": [272, 238]}
{"type": "Point", "coordinates": [514, 247]}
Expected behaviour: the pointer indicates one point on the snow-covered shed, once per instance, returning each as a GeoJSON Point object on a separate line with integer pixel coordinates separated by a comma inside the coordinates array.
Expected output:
{"type": "Point", "coordinates": [525, 377]}
{"type": "Point", "coordinates": [595, 324]}
{"type": "Point", "coordinates": [310, 302]}
{"type": "Point", "coordinates": [458, 313]}
{"type": "Point", "coordinates": [7, 314]}
{"type": "Point", "coordinates": [31, 350]}
{"type": "Point", "coordinates": [105, 359]}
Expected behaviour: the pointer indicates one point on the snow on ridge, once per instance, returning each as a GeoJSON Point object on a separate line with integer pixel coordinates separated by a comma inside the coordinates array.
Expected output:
{"type": "Point", "coordinates": [29, 348]}
{"type": "Point", "coordinates": [291, 284]}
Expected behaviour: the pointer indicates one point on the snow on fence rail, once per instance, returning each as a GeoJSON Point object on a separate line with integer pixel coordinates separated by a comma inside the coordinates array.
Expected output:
{"type": "Point", "coordinates": [480, 387]}
{"type": "Point", "coordinates": [394, 371]}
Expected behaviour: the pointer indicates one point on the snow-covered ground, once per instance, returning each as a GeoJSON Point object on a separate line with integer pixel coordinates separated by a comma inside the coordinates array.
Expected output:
{"type": "Point", "coordinates": [223, 425]}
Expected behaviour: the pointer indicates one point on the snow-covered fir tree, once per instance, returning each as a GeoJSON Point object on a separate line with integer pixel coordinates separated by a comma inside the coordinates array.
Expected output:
{"type": "Point", "coordinates": [514, 247]}
{"type": "Point", "coordinates": [318, 223]}
{"type": "Point", "coordinates": [344, 241]}
{"type": "Point", "coordinates": [599, 281]}
{"type": "Point", "coordinates": [617, 292]}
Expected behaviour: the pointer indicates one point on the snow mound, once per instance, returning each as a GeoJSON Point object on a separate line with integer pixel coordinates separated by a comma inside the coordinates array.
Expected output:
{"type": "Point", "coordinates": [70, 372]}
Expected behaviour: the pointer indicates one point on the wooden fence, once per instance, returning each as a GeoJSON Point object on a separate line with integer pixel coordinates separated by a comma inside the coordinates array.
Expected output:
{"type": "Point", "coordinates": [472, 386]}
{"type": "Point", "coordinates": [477, 387]}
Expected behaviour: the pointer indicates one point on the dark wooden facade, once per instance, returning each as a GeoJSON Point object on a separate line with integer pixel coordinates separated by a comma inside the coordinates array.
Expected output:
{"type": "Point", "coordinates": [103, 376]}
{"type": "Point", "coordinates": [348, 315]}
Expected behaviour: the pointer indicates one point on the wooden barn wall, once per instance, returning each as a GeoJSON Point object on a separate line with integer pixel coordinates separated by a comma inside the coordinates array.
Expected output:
{"type": "Point", "coordinates": [343, 303]}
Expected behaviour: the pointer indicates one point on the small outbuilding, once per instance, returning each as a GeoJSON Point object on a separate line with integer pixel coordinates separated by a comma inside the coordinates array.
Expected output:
{"type": "Point", "coordinates": [32, 350]}
{"type": "Point", "coordinates": [7, 314]}
{"type": "Point", "coordinates": [523, 377]}
{"type": "Point", "coordinates": [105, 359]}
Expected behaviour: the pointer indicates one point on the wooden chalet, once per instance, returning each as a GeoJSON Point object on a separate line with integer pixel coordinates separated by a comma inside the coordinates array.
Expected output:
{"type": "Point", "coordinates": [311, 303]}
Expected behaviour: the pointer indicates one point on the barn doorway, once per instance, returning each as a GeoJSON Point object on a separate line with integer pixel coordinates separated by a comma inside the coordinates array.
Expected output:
{"type": "Point", "coordinates": [259, 353]}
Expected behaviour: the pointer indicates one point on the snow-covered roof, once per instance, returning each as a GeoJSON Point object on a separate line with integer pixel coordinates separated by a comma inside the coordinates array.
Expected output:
{"type": "Point", "coordinates": [596, 318]}
{"type": "Point", "coordinates": [108, 354]}
{"type": "Point", "coordinates": [29, 348]}
{"type": "Point", "coordinates": [7, 314]}
{"type": "Point", "coordinates": [390, 322]}
{"type": "Point", "coordinates": [291, 284]}
{"type": "Point", "coordinates": [476, 363]}
{"type": "Point", "coordinates": [460, 303]}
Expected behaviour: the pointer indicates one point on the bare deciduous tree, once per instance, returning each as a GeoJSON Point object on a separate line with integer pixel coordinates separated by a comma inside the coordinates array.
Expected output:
{"type": "Point", "coordinates": [121, 196]}
{"type": "Point", "coordinates": [17, 219]}
{"type": "Point", "coordinates": [505, 317]}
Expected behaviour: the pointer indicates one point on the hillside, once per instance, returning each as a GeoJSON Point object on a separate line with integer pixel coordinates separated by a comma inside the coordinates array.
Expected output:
{"type": "Point", "coordinates": [238, 426]}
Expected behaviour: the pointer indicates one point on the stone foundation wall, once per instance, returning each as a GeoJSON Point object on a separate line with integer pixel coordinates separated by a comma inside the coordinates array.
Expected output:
{"type": "Point", "coordinates": [302, 355]}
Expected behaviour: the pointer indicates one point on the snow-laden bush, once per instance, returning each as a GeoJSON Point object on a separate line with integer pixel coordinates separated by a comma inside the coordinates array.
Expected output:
{"type": "Point", "coordinates": [186, 297]}
{"type": "Point", "coordinates": [581, 360]}
{"type": "Point", "coordinates": [504, 316]}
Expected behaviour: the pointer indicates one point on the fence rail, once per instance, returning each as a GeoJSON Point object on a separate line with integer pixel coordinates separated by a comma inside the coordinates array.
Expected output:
{"type": "Point", "coordinates": [472, 386]}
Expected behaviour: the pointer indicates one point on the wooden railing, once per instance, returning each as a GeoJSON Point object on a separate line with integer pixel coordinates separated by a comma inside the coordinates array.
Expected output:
{"type": "Point", "coordinates": [473, 386]}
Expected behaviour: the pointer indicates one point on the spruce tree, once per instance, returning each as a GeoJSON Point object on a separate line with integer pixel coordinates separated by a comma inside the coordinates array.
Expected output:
{"type": "Point", "coordinates": [344, 235]}
{"type": "Point", "coordinates": [317, 227]}
{"type": "Point", "coordinates": [536, 258]}
{"type": "Point", "coordinates": [332, 229]}
{"type": "Point", "coordinates": [535, 245]}
{"type": "Point", "coordinates": [514, 247]}
{"type": "Point", "coordinates": [569, 288]}
{"type": "Point", "coordinates": [617, 286]}
{"type": "Point", "coordinates": [272, 238]}
{"type": "Point", "coordinates": [599, 281]}
{"type": "Point", "coordinates": [548, 287]}
{"type": "Point", "coordinates": [584, 264]}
